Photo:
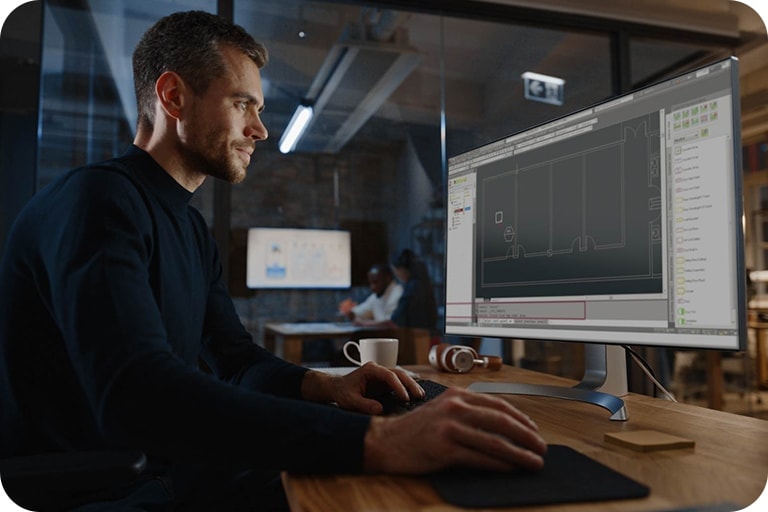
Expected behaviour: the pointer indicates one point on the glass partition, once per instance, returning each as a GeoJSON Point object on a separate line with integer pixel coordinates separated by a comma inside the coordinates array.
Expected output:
{"type": "Point", "coordinates": [87, 102]}
{"type": "Point", "coordinates": [395, 92]}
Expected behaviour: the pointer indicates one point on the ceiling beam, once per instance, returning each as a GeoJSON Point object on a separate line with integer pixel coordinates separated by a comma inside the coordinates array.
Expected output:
{"type": "Point", "coordinates": [667, 21]}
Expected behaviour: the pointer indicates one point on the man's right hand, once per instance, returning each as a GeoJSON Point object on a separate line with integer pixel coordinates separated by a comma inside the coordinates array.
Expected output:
{"type": "Point", "coordinates": [457, 429]}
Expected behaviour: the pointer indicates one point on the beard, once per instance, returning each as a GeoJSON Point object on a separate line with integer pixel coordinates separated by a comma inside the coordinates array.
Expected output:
{"type": "Point", "coordinates": [209, 151]}
{"type": "Point", "coordinates": [216, 158]}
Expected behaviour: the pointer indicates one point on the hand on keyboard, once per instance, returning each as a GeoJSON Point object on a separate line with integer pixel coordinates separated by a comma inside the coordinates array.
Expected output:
{"type": "Point", "coordinates": [393, 405]}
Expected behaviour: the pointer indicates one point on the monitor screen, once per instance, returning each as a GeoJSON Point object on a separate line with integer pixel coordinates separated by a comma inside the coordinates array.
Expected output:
{"type": "Point", "coordinates": [298, 258]}
{"type": "Point", "coordinates": [617, 224]}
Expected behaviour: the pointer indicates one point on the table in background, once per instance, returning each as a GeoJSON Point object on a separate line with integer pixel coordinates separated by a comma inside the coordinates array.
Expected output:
{"type": "Point", "coordinates": [729, 463]}
{"type": "Point", "coordinates": [286, 339]}
{"type": "Point", "coordinates": [758, 320]}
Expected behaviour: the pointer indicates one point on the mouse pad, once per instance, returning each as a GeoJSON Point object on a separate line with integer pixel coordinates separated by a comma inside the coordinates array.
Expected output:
{"type": "Point", "coordinates": [568, 476]}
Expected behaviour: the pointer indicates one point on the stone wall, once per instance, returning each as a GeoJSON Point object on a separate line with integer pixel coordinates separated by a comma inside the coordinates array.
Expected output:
{"type": "Point", "coordinates": [297, 191]}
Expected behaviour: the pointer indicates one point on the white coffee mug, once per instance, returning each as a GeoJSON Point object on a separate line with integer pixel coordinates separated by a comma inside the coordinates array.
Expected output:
{"type": "Point", "coordinates": [379, 350]}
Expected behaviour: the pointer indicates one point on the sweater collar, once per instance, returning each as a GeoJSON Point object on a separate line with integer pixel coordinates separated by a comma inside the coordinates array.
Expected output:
{"type": "Point", "coordinates": [151, 173]}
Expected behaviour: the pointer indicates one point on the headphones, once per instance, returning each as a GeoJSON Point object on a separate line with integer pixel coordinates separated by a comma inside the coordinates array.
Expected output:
{"type": "Point", "coordinates": [460, 358]}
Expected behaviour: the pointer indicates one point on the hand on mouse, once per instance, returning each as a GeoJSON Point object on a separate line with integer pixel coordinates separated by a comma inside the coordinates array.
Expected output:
{"type": "Point", "coordinates": [351, 391]}
{"type": "Point", "coordinates": [457, 429]}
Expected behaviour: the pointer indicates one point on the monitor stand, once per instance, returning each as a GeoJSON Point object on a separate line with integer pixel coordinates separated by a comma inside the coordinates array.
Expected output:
{"type": "Point", "coordinates": [605, 379]}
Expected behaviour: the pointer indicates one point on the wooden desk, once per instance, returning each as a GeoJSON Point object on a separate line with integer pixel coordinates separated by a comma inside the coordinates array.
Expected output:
{"type": "Point", "coordinates": [729, 463]}
{"type": "Point", "coordinates": [286, 339]}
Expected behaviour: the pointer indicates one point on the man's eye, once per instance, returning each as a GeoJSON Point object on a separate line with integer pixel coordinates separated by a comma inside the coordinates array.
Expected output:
{"type": "Point", "coordinates": [241, 106]}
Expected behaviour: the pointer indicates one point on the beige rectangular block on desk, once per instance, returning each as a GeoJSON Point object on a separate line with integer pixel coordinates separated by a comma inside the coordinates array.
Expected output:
{"type": "Point", "coordinates": [648, 440]}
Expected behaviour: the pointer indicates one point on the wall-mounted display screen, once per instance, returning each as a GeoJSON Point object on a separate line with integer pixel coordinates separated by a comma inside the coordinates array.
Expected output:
{"type": "Point", "coordinates": [298, 258]}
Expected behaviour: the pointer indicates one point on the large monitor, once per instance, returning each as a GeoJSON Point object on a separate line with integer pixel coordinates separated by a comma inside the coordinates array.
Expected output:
{"type": "Point", "coordinates": [298, 258]}
{"type": "Point", "coordinates": [619, 224]}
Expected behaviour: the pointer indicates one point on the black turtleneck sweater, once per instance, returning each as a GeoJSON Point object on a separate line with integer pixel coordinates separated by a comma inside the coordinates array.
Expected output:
{"type": "Point", "coordinates": [110, 293]}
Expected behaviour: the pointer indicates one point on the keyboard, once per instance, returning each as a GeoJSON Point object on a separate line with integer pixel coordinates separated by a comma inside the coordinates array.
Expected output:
{"type": "Point", "coordinates": [393, 405]}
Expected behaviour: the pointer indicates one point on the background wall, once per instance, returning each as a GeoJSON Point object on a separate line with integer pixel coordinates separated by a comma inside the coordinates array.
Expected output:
{"type": "Point", "coordinates": [374, 194]}
{"type": "Point", "coordinates": [389, 175]}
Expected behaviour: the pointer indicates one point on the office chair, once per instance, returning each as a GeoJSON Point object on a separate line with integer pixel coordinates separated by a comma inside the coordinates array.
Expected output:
{"type": "Point", "coordinates": [60, 481]}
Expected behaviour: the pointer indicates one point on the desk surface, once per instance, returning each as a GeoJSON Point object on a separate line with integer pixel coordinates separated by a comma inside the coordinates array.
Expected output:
{"type": "Point", "coordinates": [729, 463]}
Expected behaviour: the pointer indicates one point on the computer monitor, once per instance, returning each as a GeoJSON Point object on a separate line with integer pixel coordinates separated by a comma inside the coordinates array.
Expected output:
{"type": "Point", "coordinates": [619, 224]}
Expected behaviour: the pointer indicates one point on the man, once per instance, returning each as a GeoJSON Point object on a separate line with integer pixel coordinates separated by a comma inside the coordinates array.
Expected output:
{"type": "Point", "coordinates": [378, 307]}
{"type": "Point", "coordinates": [112, 303]}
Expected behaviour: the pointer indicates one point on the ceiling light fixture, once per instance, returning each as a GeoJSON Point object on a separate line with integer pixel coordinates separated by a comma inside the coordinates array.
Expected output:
{"type": "Point", "coordinates": [295, 128]}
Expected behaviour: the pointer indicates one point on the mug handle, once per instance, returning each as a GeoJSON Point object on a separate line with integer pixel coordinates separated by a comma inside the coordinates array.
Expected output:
{"type": "Point", "coordinates": [344, 349]}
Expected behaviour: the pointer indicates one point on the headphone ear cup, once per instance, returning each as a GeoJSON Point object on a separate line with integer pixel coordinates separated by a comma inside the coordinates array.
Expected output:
{"type": "Point", "coordinates": [433, 357]}
{"type": "Point", "coordinates": [462, 359]}
{"type": "Point", "coordinates": [437, 356]}
{"type": "Point", "coordinates": [492, 362]}
{"type": "Point", "coordinates": [440, 357]}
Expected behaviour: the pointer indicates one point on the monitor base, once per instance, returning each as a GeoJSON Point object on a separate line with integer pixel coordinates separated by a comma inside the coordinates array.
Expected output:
{"type": "Point", "coordinates": [605, 376]}
{"type": "Point", "coordinates": [614, 404]}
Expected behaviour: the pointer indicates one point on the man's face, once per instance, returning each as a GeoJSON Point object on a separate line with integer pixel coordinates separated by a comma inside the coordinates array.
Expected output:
{"type": "Point", "coordinates": [377, 282]}
{"type": "Point", "coordinates": [224, 123]}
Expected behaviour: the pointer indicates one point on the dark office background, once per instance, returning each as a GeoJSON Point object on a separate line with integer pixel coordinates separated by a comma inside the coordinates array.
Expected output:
{"type": "Point", "coordinates": [67, 99]}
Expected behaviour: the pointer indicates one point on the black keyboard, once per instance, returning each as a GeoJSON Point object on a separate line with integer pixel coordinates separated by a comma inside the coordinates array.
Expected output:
{"type": "Point", "coordinates": [393, 405]}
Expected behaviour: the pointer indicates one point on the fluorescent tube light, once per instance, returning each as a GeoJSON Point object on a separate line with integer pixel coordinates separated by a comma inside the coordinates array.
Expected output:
{"type": "Point", "coordinates": [295, 128]}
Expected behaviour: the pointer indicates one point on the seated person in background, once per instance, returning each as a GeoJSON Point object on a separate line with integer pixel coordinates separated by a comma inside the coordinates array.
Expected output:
{"type": "Point", "coordinates": [111, 295]}
{"type": "Point", "coordinates": [378, 307]}
{"type": "Point", "coordinates": [417, 306]}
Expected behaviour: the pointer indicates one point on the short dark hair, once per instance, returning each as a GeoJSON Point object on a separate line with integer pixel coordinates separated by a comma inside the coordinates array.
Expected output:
{"type": "Point", "coordinates": [382, 268]}
{"type": "Point", "coordinates": [187, 43]}
{"type": "Point", "coordinates": [407, 259]}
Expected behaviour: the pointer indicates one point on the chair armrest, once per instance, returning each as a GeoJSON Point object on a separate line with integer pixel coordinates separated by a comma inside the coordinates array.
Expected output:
{"type": "Point", "coordinates": [43, 480]}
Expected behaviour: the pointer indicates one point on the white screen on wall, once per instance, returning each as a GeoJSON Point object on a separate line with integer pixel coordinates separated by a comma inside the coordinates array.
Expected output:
{"type": "Point", "coordinates": [298, 258]}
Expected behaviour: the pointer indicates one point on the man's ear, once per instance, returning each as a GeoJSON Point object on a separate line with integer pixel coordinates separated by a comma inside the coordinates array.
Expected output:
{"type": "Point", "coordinates": [171, 93]}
